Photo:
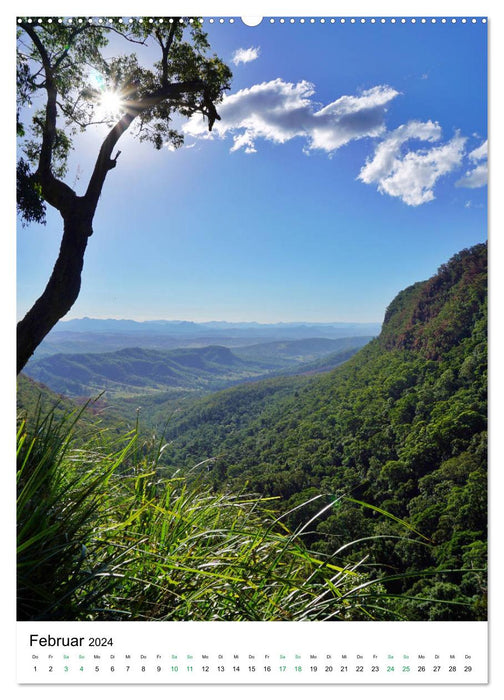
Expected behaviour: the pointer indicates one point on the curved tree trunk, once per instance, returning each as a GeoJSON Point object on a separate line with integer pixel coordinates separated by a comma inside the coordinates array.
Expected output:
{"type": "Point", "coordinates": [64, 284]}
{"type": "Point", "coordinates": [62, 289]}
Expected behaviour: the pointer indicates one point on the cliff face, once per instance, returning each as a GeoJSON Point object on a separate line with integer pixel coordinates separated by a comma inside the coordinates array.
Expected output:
{"type": "Point", "coordinates": [433, 316]}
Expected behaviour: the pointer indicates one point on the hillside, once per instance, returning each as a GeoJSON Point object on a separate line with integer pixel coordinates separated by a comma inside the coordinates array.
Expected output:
{"type": "Point", "coordinates": [31, 395]}
{"type": "Point", "coordinates": [392, 442]}
{"type": "Point", "coordinates": [35, 401]}
{"type": "Point", "coordinates": [434, 316]}
{"type": "Point", "coordinates": [140, 371]}
{"type": "Point", "coordinates": [304, 351]}
{"type": "Point", "coordinates": [401, 426]}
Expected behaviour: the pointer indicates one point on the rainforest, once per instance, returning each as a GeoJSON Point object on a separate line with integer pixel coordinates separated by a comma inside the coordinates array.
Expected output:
{"type": "Point", "coordinates": [332, 479]}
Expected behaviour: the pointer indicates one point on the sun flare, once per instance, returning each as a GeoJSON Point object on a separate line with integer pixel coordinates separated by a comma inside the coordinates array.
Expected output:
{"type": "Point", "coordinates": [110, 103]}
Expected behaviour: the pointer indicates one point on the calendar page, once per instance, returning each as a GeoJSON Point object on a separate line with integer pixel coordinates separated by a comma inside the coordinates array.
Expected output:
{"type": "Point", "coordinates": [251, 349]}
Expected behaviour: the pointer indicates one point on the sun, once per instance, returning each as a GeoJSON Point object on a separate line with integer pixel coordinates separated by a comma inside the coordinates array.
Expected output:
{"type": "Point", "coordinates": [110, 104]}
{"type": "Point", "coordinates": [108, 101]}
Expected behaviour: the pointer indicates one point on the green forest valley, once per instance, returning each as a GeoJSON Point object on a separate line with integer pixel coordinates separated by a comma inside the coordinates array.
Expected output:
{"type": "Point", "coordinates": [338, 482]}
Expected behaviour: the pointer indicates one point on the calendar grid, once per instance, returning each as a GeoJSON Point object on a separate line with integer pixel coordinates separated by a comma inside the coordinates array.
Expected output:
{"type": "Point", "coordinates": [199, 653]}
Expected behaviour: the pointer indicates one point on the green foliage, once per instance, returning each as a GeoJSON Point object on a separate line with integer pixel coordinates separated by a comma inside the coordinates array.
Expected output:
{"type": "Point", "coordinates": [433, 316]}
{"type": "Point", "coordinates": [400, 426]}
{"type": "Point", "coordinates": [67, 59]}
{"type": "Point", "coordinates": [134, 371]}
{"type": "Point", "coordinates": [140, 370]}
{"type": "Point", "coordinates": [380, 465]}
{"type": "Point", "coordinates": [70, 50]}
{"type": "Point", "coordinates": [102, 535]}
{"type": "Point", "coordinates": [57, 509]}
{"type": "Point", "coordinates": [29, 200]}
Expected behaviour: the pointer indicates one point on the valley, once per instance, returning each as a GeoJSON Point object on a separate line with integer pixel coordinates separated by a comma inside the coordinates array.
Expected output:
{"type": "Point", "coordinates": [388, 442]}
{"type": "Point", "coordinates": [135, 371]}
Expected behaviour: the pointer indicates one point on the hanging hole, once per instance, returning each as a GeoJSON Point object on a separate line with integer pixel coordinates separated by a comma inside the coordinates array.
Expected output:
{"type": "Point", "coordinates": [251, 21]}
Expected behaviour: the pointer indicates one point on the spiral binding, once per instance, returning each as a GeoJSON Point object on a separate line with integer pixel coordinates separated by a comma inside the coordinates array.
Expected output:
{"type": "Point", "coordinates": [270, 20]}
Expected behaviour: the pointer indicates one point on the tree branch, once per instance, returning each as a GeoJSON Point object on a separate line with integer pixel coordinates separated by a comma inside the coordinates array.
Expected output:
{"type": "Point", "coordinates": [49, 130]}
{"type": "Point", "coordinates": [57, 193]}
{"type": "Point", "coordinates": [71, 38]}
{"type": "Point", "coordinates": [165, 48]}
{"type": "Point", "coordinates": [171, 35]}
{"type": "Point", "coordinates": [103, 162]}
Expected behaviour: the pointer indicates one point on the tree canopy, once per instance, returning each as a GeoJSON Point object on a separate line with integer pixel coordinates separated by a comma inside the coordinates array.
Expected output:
{"type": "Point", "coordinates": [69, 84]}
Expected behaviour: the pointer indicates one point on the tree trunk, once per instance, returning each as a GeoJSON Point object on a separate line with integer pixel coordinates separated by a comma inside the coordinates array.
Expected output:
{"type": "Point", "coordinates": [62, 289]}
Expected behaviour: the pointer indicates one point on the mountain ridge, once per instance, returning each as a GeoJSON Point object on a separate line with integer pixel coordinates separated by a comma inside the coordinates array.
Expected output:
{"type": "Point", "coordinates": [398, 429]}
{"type": "Point", "coordinates": [401, 426]}
{"type": "Point", "coordinates": [87, 323]}
{"type": "Point", "coordinates": [137, 370]}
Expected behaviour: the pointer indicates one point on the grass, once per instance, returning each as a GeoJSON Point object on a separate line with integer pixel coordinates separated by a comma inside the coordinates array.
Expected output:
{"type": "Point", "coordinates": [62, 496]}
{"type": "Point", "coordinates": [104, 535]}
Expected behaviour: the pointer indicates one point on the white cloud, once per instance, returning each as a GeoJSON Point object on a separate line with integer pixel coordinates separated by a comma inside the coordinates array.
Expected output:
{"type": "Point", "coordinates": [278, 111]}
{"type": "Point", "coordinates": [351, 117]}
{"type": "Point", "coordinates": [388, 152]}
{"type": "Point", "coordinates": [246, 55]}
{"type": "Point", "coordinates": [478, 175]}
{"type": "Point", "coordinates": [480, 153]}
{"type": "Point", "coordinates": [412, 175]}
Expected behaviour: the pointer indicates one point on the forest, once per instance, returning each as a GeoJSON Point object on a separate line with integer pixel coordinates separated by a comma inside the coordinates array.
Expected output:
{"type": "Point", "coordinates": [400, 427]}
{"type": "Point", "coordinates": [363, 488]}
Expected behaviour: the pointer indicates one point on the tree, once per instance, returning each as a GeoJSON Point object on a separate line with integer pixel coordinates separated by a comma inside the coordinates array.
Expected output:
{"type": "Point", "coordinates": [61, 67]}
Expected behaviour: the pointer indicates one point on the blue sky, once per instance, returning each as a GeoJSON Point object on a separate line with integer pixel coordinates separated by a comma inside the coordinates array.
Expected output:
{"type": "Point", "coordinates": [349, 163]}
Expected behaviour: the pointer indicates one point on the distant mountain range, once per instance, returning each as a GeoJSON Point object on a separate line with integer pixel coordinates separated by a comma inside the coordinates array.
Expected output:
{"type": "Point", "coordinates": [297, 328]}
{"type": "Point", "coordinates": [107, 335]}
